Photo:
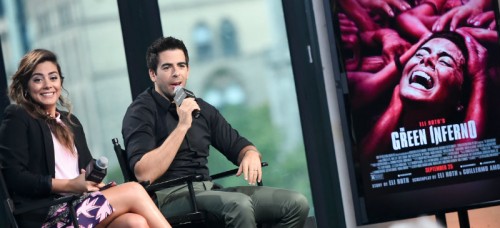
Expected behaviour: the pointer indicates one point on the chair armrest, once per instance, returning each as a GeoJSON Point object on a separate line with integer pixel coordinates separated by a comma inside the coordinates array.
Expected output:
{"type": "Point", "coordinates": [231, 172]}
{"type": "Point", "coordinates": [158, 186]}
{"type": "Point", "coordinates": [44, 203]}
{"type": "Point", "coordinates": [188, 180]}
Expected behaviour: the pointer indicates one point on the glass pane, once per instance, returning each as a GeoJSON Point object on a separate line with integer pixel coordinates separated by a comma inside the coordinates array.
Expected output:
{"type": "Point", "coordinates": [86, 36]}
{"type": "Point", "coordinates": [240, 63]}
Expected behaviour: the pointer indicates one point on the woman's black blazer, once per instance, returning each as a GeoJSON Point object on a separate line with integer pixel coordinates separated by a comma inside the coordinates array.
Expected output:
{"type": "Point", "coordinates": [27, 154]}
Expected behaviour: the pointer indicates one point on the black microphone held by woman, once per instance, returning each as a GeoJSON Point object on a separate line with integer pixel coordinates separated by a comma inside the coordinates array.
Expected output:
{"type": "Point", "coordinates": [96, 169]}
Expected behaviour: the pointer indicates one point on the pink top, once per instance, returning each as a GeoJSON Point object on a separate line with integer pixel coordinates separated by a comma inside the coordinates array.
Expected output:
{"type": "Point", "coordinates": [66, 162]}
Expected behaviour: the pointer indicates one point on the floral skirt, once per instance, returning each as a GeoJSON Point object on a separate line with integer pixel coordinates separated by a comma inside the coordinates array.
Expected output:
{"type": "Point", "coordinates": [91, 209]}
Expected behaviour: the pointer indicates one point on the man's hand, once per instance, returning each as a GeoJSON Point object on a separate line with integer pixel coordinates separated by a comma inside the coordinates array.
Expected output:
{"type": "Point", "coordinates": [251, 167]}
{"type": "Point", "coordinates": [185, 112]}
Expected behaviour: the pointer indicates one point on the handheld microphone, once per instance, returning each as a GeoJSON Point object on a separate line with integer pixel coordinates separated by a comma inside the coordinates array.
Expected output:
{"type": "Point", "coordinates": [181, 94]}
{"type": "Point", "coordinates": [96, 170]}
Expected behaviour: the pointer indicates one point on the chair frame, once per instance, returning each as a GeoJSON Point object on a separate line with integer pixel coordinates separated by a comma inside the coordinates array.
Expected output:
{"type": "Point", "coordinates": [11, 210]}
{"type": "Point", "coordinates": [193, 217]}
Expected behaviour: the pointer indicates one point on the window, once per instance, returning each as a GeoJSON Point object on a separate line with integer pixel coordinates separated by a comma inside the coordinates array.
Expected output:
{"type": "Point", "coordinates": [254, 91]}
{"type": "Point", "coordinates": [65, 15]}
{"type": "Point", "coordinates": [91, 54]}
{"type": "Point", "coordinates": [202, 37]}
{"type": "Point", "coordinates": [224, 89]}
{"type": "Point", "coordinates": [228, 38]}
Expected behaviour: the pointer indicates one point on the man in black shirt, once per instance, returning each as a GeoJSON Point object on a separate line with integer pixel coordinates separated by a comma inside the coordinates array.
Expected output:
{"type": "Point", "coordinates": [164, 141]}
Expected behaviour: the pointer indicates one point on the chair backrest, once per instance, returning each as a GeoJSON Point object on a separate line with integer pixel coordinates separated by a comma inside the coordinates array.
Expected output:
{"type": "Point", "coordinates": [7, 208]}
{"type": "Point", "coordinates": [8, 211]}
{"type": "Point", "coordinates": [195, 217]}
{"type": "Point", "coordinates": [121, 155]}
{"type": "Point", "coordinates": [190, 219]}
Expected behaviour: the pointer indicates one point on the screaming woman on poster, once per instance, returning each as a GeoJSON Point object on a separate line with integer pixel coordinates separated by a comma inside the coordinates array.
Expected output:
{"type": "Point", "coordinates": [442, 77]}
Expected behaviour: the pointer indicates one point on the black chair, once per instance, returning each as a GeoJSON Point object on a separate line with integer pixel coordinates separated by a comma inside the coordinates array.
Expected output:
{"type": "Point", "coordinates": [10, 211]}
{"type": "Point", "coordinates": [192, 218]}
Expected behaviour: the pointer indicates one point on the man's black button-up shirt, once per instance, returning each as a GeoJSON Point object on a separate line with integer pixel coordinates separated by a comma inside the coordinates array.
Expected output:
{"type": "Point", "coordinates": [151, 118]}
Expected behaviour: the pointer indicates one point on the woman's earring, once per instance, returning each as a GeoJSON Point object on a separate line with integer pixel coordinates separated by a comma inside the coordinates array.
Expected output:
{"type": "Point", "coordinates": [25, 93]}
{"type": "Point", "coordinates": [460, 108]}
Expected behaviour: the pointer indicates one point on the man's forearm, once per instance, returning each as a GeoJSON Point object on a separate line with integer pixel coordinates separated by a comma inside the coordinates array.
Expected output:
{"type": "Point", "coordinates": [156, 162]}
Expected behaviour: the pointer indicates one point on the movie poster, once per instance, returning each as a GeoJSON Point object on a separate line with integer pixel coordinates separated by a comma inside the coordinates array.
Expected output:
{"type": "Point", "coordinates": [423, 102]}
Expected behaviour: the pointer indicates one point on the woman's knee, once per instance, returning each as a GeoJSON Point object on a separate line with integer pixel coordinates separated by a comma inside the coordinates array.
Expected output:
{"type": "Point", "coordinates": [129, 220]}
{"type": "Point", "coordinates": [133, 186]}
{"type": "Point", "coordinates": [126, 192]}
{"type": "Point", "coordinates": [138, 221]}
{"type": "Point", "coordinates": [134, 189]}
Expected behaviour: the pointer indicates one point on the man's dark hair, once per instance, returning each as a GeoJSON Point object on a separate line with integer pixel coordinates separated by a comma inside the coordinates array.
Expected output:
{"type": "Point", "coordinates": [162, 44]}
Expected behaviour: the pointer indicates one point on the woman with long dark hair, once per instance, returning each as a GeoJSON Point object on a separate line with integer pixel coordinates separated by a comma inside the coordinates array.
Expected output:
{"type": "Point", "coordinates": [44, 151]}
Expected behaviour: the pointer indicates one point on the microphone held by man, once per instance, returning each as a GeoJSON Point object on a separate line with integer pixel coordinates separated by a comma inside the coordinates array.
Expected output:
{"type": "Point", "coordinates": [181, 94]}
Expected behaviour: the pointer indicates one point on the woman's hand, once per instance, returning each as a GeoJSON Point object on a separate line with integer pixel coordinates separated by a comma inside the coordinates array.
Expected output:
{"type": "Point", "coordinates": [386, 6]}
{"type": "Point", "coordinates": [349, 31]}
{"type": "Point", "coordinates": [483, 20]}
{"type": "Point", "coordinates": [80, 185]}
{"type": "Point", "coordinates": [477, 72]}
{"type": "Point", "coordinates": [482, 35]}
{"type": "Point", "coordinates": [478, 56]}
{"type": "Point", "coordinates": [458, 16]}
{"type": "Point", "coordinates": [393, 45]}
{"type": "Point", "coordinates": [379, 136]}
{"type": "Point", "coordinates": [350, 41]}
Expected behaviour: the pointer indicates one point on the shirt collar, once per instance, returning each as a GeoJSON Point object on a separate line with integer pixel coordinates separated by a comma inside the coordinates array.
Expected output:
{"type": "Point", "coordinates": [162, 101]}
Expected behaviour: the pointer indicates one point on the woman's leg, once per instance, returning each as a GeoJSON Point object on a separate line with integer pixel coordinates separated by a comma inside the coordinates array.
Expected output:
{"type": "Point", "coordinates": [131, 197]}
{"type": "Point", "coordinates": [128, 220]}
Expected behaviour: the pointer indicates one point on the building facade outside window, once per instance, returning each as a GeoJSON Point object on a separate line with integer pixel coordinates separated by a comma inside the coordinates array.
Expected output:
{"type": "Point", "coordinates": [228, 38]}
{"type": "Point", "coordinates": [202, 36]}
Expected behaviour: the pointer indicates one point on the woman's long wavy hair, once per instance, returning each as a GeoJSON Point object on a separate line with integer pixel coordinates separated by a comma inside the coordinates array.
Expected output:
{"type": "Point", "coordinates": [19, 94]}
